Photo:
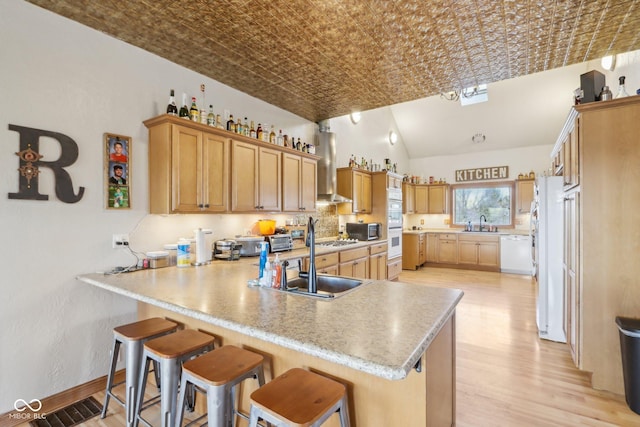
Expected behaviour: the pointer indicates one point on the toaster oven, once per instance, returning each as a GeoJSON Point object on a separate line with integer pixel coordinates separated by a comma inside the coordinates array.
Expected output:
{"type": "Point", "coordinates": [279, 242]}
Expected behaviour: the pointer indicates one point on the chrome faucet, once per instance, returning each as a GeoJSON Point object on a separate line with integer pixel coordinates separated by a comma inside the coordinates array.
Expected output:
{"type": "Point", "coordinates": [312, 277]}
{"type": "Point", "coordinates": [485, 220]}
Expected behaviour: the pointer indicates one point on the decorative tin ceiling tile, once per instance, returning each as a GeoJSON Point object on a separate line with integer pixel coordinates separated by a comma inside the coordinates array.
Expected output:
{"type": "Point", "coordinates": [324, 58]}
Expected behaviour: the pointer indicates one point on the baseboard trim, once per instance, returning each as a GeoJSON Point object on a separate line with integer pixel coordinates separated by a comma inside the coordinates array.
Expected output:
{"type": "Point", "coordinates": [59, 400]}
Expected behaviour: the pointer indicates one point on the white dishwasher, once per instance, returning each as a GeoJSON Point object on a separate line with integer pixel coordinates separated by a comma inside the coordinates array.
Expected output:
{"type": "Point", "coordinates": [515, 254]}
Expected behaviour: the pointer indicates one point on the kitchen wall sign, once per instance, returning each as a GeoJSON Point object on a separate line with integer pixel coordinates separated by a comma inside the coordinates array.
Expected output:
{"type": "Point", "coordinates": [31, 162]}
{"type": "Point", "coordinates": [117, 168]}
{"type": "Point", "coordinates": [482, 174]}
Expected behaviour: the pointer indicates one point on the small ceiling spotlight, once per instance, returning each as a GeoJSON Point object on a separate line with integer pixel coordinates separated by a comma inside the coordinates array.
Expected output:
{"type": "Point", "coordinates": [478, 138]}
{"type": "Point", "coordinates": [393, 137]}
{"type": "Point", "coordinates": [355, 117]}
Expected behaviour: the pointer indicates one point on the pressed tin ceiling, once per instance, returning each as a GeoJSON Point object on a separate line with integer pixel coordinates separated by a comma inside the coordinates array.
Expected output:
{"type": "Point", "coordinates": [325, 58]}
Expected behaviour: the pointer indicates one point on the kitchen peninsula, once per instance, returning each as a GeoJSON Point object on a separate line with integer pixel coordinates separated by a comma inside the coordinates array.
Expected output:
{"type": "Point", "coordinates": [372, 338]}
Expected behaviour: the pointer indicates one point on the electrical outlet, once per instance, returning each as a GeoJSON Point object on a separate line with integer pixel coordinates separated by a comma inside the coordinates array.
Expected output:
{"type": "Point", "coordinates": [421, 221]}
{"type": "Point", "coordinates": [119, 240]}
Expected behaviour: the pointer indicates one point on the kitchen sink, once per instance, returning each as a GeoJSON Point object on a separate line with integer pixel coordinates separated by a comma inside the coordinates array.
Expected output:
{"type": "Point", "coordinates": [329, 286]}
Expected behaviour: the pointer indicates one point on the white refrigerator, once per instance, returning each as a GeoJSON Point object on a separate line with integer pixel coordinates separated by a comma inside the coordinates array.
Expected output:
{"type": "Point", "coordinates": [547, 240]}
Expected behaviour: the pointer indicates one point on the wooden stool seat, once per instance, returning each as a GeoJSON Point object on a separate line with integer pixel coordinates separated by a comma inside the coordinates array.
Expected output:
{"type": "Point", "coordinates": [299, 398]}
{"type": "Point", "coordinates": [176, 345]}
{"type": "Point", "coordinates": [145, 328]}
{"type": "Point", "coordinates": [223, 365]}
{"type": "Point", "coordinates": [133, 336]}
{"type": "Point", "coordinates": [217, 373]}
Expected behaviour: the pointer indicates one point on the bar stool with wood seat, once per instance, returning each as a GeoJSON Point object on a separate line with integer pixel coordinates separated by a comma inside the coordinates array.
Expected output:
{"type": "Point", "coordinates": [133, 336]}
{"type": "Point", "coordinates": [218, 373]}
{"type": "Point", "coordinates": [299, 398]}
{"type": "Point", "coordinates": [170, 352]}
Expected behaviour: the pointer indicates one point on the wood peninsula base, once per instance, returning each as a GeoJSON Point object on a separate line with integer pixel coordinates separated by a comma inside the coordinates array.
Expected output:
{"type": "Point", "coordinates": [425, 398]}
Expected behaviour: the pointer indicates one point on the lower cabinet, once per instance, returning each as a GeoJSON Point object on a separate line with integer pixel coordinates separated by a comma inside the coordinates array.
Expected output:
{"type": "Point", "coordinates": [448, 248]}
{"type": "Point", "coordinates": [394, 268]}
{"type": "Point", "coordinates": [328, 263]}
{"type": "Point", "coordinates": [414, 250]}
{"type": "Point", "coordinates": [481, 251]}
{"type": "Point", "coordinates": [354, 263]}
{"type": "Point", "coordinates": [378, 261]}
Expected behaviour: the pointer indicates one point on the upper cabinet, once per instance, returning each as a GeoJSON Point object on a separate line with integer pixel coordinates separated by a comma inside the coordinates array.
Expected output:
{"type": "Point", "coordinates": [432, 199]}
{"type": "Point", "coordinates": [188, 170]}
{"type": "Point", "coordinates": [195, 168]}
{"type": "Point", "coordinates": [356, 185]}
{"type": "Point", "coordinates": [408, 198]}
{"type": "Point", "coordinates": [524, 195]}
{"type": "Point", "coordinates": [299, 187]}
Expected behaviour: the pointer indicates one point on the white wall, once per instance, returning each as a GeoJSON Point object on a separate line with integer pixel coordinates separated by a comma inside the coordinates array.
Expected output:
{"type": "Point", "coordinates": [60, 76]}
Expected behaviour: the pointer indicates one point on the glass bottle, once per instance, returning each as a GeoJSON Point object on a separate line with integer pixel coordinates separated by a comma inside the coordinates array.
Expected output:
{"type": "Point", "coordinates": [259, 132]}
{"type": "Point", "coordinates": [621, 90]}
{"type": "Point", "coordinates": [239, 128]}
{"type": "Point", "coordinates": [231, 126]}
{"type": "Point", "coordinates": [252, 131]}
{"type": "Point", "coordinates": [280, 139]}
{"type": "Point", "coordinates": [245, 129]}
{"type": "Point", "coordinates": [211, 118]}
{"type": "Point", "coordinates": [184, 110]}
{"type": "Point", "coordinates": [171, 108]}
{"type": "Point", "coordinates": [299, 145]}
{"type": "Point", "coordinates": [272, 135]}
{"type": "Point", "coordinates": [194, 113]}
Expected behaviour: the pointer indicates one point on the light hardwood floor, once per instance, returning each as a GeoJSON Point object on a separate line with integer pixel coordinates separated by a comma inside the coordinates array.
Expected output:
{"type": "Point", "coordinates": [506, 375]}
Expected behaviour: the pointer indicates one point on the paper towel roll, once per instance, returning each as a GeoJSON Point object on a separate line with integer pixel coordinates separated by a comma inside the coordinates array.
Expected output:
{"type": "Point", "coordinates": [202, 251]}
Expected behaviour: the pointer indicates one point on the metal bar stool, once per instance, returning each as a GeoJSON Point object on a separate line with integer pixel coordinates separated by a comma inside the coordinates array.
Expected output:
{"type": "Point", "coordinates": [170, 351]}
{"type": "Point", "coordinates": [299, 398]}
{"type": "Point", "coordinates": [133, 335]}
{"type": "Point", "coordinates": [218, 373]}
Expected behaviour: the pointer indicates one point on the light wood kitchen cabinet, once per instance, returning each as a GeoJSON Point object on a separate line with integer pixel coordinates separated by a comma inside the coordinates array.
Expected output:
{"type": "Point", "coordinates": [299, 187]}
{"type": "Point", "coordinates": [421, 199]}
{"type": "Point", "coordinates": [432, 247]}
{"type": "Point", "coordinates": [479, 250]}
{"type": "Point", "coordinates": [571, 170]}
{"type": "Point", "coordinates": [524, 195]}
{"type": "Point", "coordinates": [325, 263]}
{"type": "Point", "coordinates": [408, 198]}
{"type": "Point", "coordinates": [448, 248]}
{"type": "Point", "coordinates": [438, 199]}
{"type": "Point", "coordinates": [356, 185]}
{"type": "Point", "coordinates": [414, 250]}
{"type": "Point", "coordinates": [188, 169]}
{"type": "Point", "coordinates": [570, 272]}
{"type": "Point", "coordinates": [394, 268]}
{"type": "Point", "coordinates": [256, 178]}
{"type": "Point", "coordinates": [378, 261]}
{"type": "Point", "coordinates": [355, 263]}
{"type": "Point", "coordinates": [602, 238]}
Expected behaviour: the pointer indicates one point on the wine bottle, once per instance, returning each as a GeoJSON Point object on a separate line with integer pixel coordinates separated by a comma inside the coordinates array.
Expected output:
{"type": "Point", "coordinates": [259, 132]}
{"type": "Point", "coordinates": [194, 113]}
{"type": "Point", "coordinates": [171, 108]}
{"type": "Point", "coordinates": [184, 110]}
{"type": "Point", "coordinates": [252, 131]}
{"type": "Point", "coordinates": [211, 118]}
{"type": "Point", "coordinates": [231, 125]}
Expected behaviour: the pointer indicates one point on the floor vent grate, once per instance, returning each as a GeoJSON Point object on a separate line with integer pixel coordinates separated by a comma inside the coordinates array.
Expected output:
{"type": "Point", "coordinates": [71, 415]}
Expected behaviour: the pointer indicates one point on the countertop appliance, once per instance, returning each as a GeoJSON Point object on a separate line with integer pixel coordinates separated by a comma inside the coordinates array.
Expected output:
{"type": "Point", "coordinates": [364, 230]}
{"type": "Point", "coordinates": [279, 242]}
{"type": "Point", "coordinates": [249, 245]}
{"type": "Point", "coordinates": [547, 232]}
{"type": "Point", "coordinates": [515, 254]}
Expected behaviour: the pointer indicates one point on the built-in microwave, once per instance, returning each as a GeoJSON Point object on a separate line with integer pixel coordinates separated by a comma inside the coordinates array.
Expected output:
{"type": "Point", "coordinates": [364, 230]}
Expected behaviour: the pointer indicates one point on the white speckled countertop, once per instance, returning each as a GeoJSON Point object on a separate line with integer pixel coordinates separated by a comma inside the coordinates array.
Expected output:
{"type": "Point", "coordinates": [381, 328]}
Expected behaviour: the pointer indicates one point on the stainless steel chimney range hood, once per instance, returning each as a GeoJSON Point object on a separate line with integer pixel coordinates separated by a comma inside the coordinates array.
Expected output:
{"type": "Point", "coordinates": [327, 180]}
